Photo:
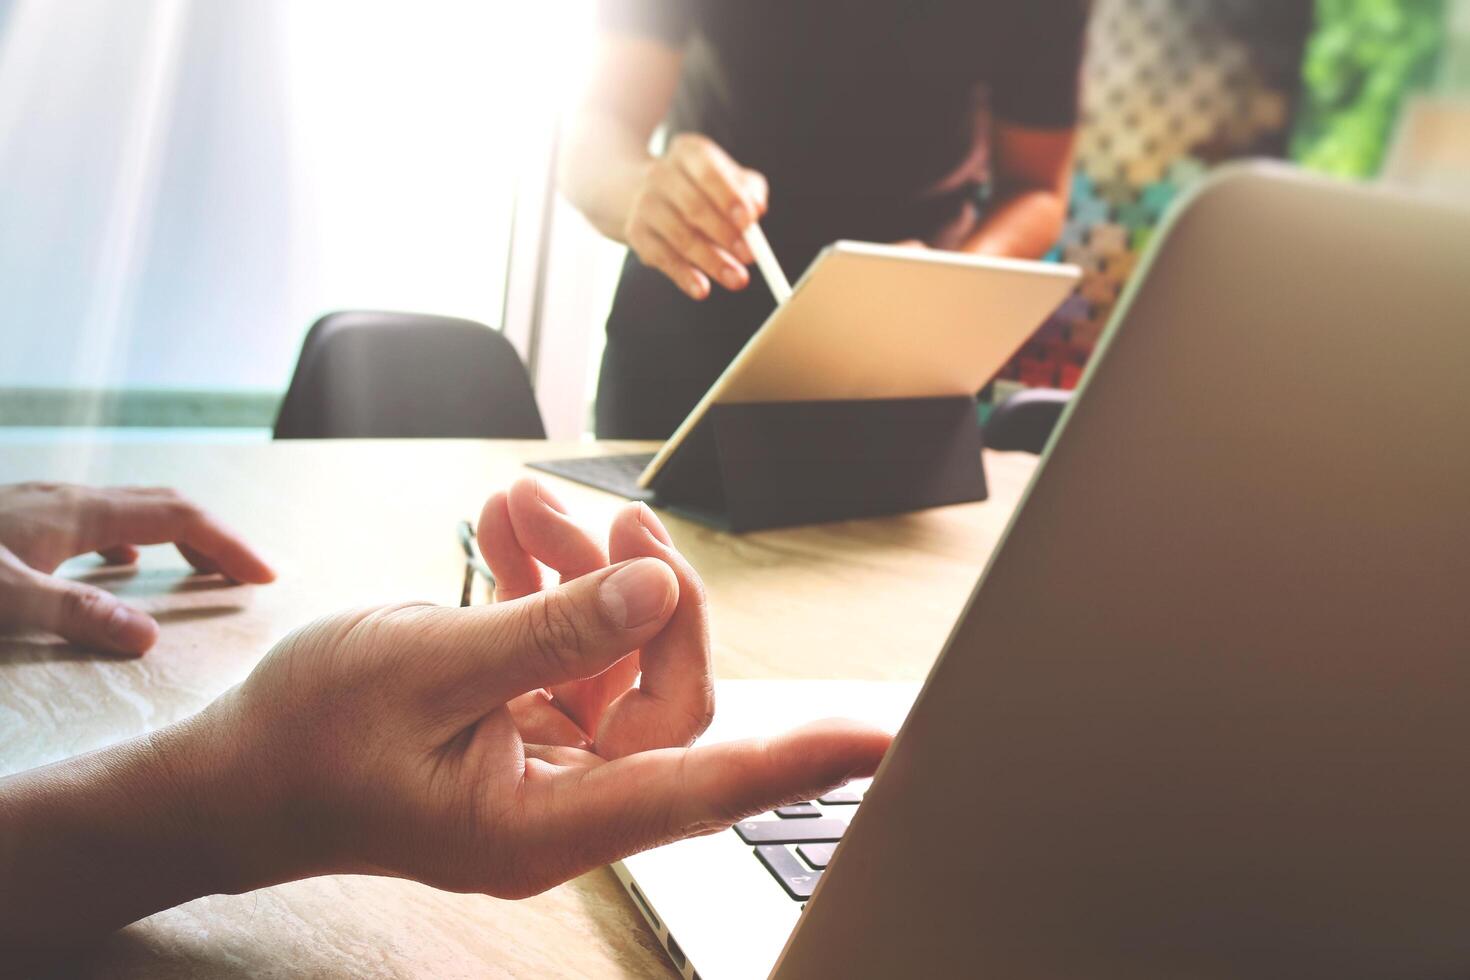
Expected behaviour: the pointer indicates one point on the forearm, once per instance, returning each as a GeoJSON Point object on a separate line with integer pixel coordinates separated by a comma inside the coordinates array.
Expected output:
{"type": "Point", "coordinates": [1023, 224]}
{"type": "Point", "coordinates": [603, 163]}
{"type": "Point", "coordinates": [92, 843]}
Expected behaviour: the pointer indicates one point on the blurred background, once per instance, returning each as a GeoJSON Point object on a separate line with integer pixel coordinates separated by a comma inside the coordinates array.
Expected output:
{"type": "Point", "coordinates": [186, 186]}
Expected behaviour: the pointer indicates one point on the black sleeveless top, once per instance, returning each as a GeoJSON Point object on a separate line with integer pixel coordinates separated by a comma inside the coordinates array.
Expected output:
{"type": "Point", "coordinates": [870, 118]}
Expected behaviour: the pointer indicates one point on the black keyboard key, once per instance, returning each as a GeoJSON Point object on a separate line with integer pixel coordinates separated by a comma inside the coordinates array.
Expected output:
{"type": "Point", "coordinates": [796, 878]}
{"type": "Point", "coordinates": [817, 855]}
{"type": "Point", "coordinates": [798, 810]}
{"type": "Point", "coordinates": [790, 831]}
{"type": "Point", "coordinates": [842, 796]}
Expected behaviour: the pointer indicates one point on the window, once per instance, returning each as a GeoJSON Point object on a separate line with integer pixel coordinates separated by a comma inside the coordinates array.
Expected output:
{"type": "Point", "coordinates": [187, 186]}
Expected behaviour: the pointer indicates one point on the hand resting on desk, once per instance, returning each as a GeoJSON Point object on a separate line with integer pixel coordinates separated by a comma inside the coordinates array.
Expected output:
{"type": "Point", "coordinates": [498, 749]}
{"type": "Point", "coordinates": [44, 524]}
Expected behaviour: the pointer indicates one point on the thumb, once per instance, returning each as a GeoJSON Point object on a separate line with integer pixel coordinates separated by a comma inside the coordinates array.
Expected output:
{"type": "Point", "coordinates": [82, 614]}
{"type": "Point", "coordinates": [491, 654]}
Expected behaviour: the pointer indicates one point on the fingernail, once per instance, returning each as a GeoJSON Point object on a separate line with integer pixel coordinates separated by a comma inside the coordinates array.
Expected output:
{"type": "Point", "coordinates": [696, 289]}
{"type": "Point", "coordinates": [650, 520]}
{"type": "Point", "coordinates": [740, 215]}
{"type": "Point", "coordinates": [544, 494]}
{"type": "Point", "coordinates": [637, 593]}
{"type": "Point", "coordinates": [732, 279]}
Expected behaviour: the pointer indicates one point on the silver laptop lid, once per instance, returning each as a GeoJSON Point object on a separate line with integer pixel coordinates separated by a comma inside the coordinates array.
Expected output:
{"type": "Point", "coordinates": [1208, 713]}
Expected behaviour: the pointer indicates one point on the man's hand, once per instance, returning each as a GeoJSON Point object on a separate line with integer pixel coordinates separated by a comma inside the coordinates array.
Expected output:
{"type": "Point", "coordinates": [391, 741]}
{"type": "Point", "coordinates": [43, 524]}
{"type": "Point", "coordinates": [689, 215]}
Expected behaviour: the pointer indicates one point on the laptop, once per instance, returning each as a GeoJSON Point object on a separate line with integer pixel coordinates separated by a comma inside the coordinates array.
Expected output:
{"type": "Point", "coordinates": [865, 322]}
{"type": "Point", "coordinates": [1207, 711]}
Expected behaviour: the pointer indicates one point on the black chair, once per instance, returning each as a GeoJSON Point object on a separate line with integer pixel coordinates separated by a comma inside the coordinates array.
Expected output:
{"type": "Point", "coordinates": [370, 375]}
{"type": "Point", "coordinates": [1024, 419]}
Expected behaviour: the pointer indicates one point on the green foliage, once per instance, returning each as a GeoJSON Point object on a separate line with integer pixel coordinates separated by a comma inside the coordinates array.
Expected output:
{"type": "Point", "coordinates": [1363, 57]}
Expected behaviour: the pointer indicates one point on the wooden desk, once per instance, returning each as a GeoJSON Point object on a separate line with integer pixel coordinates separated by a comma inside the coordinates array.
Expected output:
{"type": "Point", "coordinates": [356, 522]}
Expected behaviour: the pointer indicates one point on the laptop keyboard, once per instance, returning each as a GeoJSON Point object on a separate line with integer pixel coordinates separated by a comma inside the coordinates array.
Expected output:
{"type": "Point", "coordinates": [795, 843]}
{"type": "Point", "coordinates": [790, 831]}
{"type": "Point", "coordinates": [816, 855]}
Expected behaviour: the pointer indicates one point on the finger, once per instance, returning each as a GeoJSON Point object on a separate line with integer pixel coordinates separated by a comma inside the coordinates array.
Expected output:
{"type": "Point", "coordinates": [655, 797]}
{"type": "Point", "coordinates": [653, 251]}
{"type": "Point", "coordinates": [470, 660]}
{"type": "Point", "coordinates": [565, 756]}
{"type": "Point", "coordinates": [144, 517]}
{"type": "Point", "coordinates": [123, 554]}
{"type": "Point", "coordinates": [211, 547]}
{"type": "Point", "coordinates": [542, 722]}
{"type": "Point", "coordinates": [81, 614]}
{"type": "Point", "coordinates": [721, 179]}
{"type": "Point", "coordinates": [201, 562]}
{"type": "Point", "coordinates": [546, 532]}
{"type": "Point", "coordinates": [516, 572]}
{"type": "Point", "coordinates": [674, 700]}
{"type": "Point", "coordinates": [693, 247]}
{"type": "Point", "coordinates": [700, 212]}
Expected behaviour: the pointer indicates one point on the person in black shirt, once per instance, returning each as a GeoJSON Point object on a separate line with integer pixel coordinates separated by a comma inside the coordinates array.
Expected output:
{"type": "Point", "coordinates": [939, 123]}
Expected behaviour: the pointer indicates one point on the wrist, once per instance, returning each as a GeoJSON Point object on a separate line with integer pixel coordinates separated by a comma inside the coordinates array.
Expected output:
{"type": "Point", "coordinates": [95, 842]}
{"type": "Point", "coordinates": [99, 841]}
{"type": "Point", "coordinates": [226, 808]}
{"type": "Point", "coordinates": [620, 196]}
{"type": "Point", "coordinates": [602, 170]}
{"type": "Point", "coordinates": [249, 819]}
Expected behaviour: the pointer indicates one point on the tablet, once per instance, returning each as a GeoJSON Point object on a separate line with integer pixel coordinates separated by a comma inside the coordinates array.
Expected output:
{"type": "Point", "coordinates": [886, 321]}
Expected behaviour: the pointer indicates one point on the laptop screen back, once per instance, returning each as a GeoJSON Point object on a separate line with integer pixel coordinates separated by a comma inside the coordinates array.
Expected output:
{"type": "Point", "coordinates": [1206, 713]}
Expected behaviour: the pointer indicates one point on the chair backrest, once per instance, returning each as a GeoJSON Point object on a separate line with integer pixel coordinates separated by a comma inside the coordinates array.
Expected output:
{"type": "Point", "coordinates": [1024, 420]}
{"type": "Point", "coordinates": [366, 374]}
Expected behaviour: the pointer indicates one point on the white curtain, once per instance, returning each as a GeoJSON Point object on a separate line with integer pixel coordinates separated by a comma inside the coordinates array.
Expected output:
{"type": "Point", "coordinates": [186, 184]}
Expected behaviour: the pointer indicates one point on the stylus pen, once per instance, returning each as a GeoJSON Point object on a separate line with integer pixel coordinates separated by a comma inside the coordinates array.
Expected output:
{"type": "Point", "coordinates": [776, 280]}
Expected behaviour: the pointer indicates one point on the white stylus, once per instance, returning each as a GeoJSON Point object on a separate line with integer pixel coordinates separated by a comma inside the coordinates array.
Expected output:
{"type": "Point", "coordinates": [776, 280]}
